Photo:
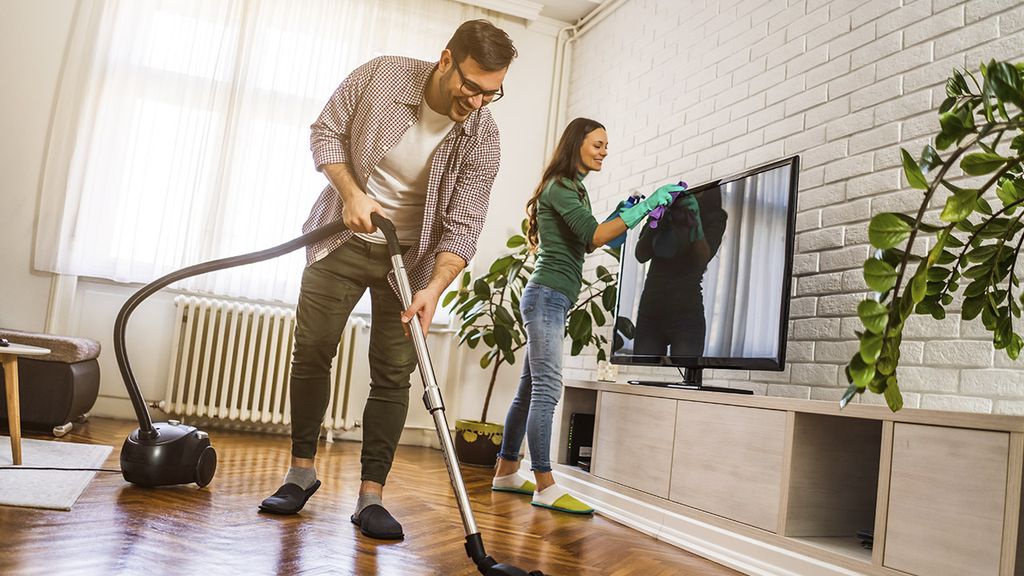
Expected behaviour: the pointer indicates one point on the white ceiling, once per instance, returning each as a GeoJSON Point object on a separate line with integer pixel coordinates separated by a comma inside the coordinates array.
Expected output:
{"type": "Point", "coordinates": [568, 10]}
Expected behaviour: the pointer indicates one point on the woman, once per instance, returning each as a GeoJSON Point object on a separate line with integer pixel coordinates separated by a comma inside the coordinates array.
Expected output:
{"type": "Point", "coordinates": [562, 229]}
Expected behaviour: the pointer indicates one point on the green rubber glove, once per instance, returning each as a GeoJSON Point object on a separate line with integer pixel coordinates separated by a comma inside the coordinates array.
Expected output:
{"type": "Point", "coordinates": [696, 228]}
{"type": "Point", "coordinates": [661, 197]}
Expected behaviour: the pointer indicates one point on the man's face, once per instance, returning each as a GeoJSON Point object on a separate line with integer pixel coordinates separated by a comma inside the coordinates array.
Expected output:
{"type": "Point", "coordinates": [466, 87]}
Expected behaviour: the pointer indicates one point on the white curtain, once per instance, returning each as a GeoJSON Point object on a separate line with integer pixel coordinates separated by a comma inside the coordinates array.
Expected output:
{"type": "Point", "coordinates": [742, 299]}
{"type": "Point", "coordinates": [181, 131]}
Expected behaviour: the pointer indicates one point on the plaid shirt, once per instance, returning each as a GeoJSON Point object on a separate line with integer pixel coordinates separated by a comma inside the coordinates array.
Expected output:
{"type": "Point", "coordinates": [364, 119]}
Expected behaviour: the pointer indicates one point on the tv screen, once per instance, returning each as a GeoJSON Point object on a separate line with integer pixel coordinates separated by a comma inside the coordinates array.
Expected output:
{"type": "Point", "coordinates": [706, 283]}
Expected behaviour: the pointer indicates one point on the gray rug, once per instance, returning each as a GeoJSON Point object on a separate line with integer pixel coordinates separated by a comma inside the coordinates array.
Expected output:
{"type": "Point", "coordinates": [53, 489]}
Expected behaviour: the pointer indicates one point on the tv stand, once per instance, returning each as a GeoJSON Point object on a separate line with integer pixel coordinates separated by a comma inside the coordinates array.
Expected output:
{"type": "Point", "coordinates": [692, 380]}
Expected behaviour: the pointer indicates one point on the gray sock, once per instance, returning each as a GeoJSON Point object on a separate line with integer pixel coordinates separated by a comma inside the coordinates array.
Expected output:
{"type": "Point", "coordinates": [365, 500]}
{"type": "Point", "coordinates": [302, 477]}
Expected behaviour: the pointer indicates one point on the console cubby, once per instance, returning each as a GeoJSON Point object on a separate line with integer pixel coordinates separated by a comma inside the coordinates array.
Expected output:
{"type": "Point", "coordinates": [833, 482]}
{"type": "Point", "coordinates": [575, 400]}
{"type": "Point", "coordinates": [788, 483]}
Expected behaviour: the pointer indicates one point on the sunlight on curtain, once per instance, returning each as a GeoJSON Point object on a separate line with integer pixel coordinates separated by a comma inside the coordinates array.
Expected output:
{"type": "Point", "coordinates": [182, 130]}
{"type": "Point", "coordinates": [742, 303]}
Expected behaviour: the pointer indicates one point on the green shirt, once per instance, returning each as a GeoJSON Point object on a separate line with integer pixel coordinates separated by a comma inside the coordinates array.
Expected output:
{"type": "Point", "coordinates": [565, 227]}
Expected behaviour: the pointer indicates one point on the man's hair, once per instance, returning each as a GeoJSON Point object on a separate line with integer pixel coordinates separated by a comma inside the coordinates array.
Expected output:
{"type": "Point", "coordinates": [489, 45]}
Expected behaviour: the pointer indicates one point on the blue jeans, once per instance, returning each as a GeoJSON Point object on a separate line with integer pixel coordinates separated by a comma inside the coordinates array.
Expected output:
{"type": "Point", "coordinates": [544, 312]}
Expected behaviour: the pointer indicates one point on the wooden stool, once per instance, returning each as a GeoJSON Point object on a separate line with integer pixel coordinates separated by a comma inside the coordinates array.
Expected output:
{"type": "Point", "coordinates": [9, 359]}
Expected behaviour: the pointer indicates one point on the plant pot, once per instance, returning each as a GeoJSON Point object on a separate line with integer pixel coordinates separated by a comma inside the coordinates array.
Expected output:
{"type": "Point", "coordinates": [477, 443]}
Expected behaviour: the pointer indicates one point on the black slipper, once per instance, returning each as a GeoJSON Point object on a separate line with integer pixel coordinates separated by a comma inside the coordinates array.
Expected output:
{"type": "Point", "coordinates": [376, 522]}
{"type": "Point", "coordinates": [288, 499]}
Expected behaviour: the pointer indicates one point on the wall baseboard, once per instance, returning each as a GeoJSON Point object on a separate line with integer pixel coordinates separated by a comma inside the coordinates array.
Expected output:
{"type": "Point", "coordinates": [731, 549]}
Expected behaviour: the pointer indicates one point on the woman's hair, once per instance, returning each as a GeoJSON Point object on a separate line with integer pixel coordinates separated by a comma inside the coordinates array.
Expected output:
{"type": "Point", "coordinates": [564, 164]}
{"type": "Point", "coordinates": [489, 45]}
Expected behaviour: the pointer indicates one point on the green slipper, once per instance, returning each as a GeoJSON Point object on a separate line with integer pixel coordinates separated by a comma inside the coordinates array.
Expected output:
{"type": "Point", "coordinates": [526, 487]}
{"type": "Point", "coordinates": [566, 503]}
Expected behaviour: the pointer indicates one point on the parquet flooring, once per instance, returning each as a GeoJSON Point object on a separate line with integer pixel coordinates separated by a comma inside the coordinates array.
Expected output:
{"type": "Point", "coordinates": [118, 528]}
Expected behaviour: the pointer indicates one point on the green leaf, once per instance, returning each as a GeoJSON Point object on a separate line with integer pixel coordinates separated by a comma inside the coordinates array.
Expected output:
{"type": "Point", "coordinates": [981, 163]}
{"type": "Point", "coordinates": [596, 312]}
{"type": "Point", "coordinates": [870, 347]}
{"type": "Point", "coordinates": [608, 298]}
{"type": "Point", "coordinates": [1007, 193]}
{"type": "Point", "coordinates": [1014, 347]}
{"type": "Point", "coordinates": [501, 264]}
{"type": "Point", "coordinates": [959, 206]}
{"type": "Point", "coordinates": [580, 325]}
{"type": "Point", "coordinates": [886, 364]}
{"type": "Point", "coordinates": [946, 257]}
{"type": "Point", "coordinates": [982, 253]}
{"type": "Point", "coordinates": [930, 306]}
{"type": "Point", "coordinates": [913, 172]}
{"type": "Point", "coordinates": [503, 338]}
{"type": "Point", "coordinates": [930, 159]}
{"type": "Point", "coordinates": [892, 394]}
{"type": "Point", "coordinates": [449, 298]}
{"type": "Point", "coordinates": [919, 284]}
{"type": "Point", "coordinates": [860, 371]}
{"type": "Point", "coordinates": [887, 229]}
{"type": "Point", "coordinates": [972, 306]}
{"type": "Point", "coordinates": [604, 274]}
{"type": "Point", "coordinates": [502, 317]}
{"type": "Point", "coordinates": [516, 241]}
{"type": "Point", "coordinates": [953, 129]}
{"type": "Point", "coordinates": [1006, 83]}
{"type": "Point", "coordinates": [482, 289]}
{"type": "Point", "coordinates": [879, 275]}
{"type": "Point", "coordinates": [873, 315]}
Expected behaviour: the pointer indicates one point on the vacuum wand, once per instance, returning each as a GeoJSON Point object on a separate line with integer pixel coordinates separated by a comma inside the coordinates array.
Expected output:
{"type": "Point", "coordinates": [435, 405]}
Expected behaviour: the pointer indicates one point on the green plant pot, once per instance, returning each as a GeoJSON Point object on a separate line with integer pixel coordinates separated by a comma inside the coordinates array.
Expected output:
{"type": "Point", "coordinates": [477, 443]}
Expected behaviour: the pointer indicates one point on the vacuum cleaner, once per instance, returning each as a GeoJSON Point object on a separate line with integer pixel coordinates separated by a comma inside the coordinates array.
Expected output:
{"type": "Point", "coordinates": [171, 453]}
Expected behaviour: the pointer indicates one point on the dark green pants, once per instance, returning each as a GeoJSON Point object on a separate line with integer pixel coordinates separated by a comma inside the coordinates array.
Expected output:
{"type": "Point", "coordinates": [330, 289]}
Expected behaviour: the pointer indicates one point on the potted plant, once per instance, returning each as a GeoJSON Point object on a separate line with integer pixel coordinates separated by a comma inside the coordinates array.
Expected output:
{"type": "Point", "coordinates": [487, 309]}
{"type": "Point", "coordinates": [977, 238]}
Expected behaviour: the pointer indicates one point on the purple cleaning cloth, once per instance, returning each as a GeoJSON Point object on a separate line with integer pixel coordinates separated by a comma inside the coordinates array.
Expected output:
{"type": "Point", "coordinates": [657, 213]}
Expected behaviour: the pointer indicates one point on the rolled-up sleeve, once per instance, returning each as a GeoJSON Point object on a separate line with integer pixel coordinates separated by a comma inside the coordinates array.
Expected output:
{"type": "Point", "coordinates": [464, 220]}
{"type": "Point", "coordinates": [329, 138]}
{"type": "Point", "coordinates": [573, 210]}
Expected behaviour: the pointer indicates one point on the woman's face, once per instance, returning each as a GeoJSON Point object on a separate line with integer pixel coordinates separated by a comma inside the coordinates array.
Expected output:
{"type": "Point", "coordinates": [593, 150]}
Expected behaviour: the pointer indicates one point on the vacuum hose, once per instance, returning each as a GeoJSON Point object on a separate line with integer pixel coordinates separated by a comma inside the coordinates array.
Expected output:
{"type": "Point", "coordinates": [168, 453]}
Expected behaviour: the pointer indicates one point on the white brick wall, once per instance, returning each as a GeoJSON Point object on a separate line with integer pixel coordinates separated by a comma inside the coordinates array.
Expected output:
{"type": "Point", "coordinates": [695, 89]}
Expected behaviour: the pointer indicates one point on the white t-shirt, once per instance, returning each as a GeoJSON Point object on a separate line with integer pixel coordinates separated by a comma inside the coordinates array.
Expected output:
{"type": "Point", "coordinates": [399, 182]}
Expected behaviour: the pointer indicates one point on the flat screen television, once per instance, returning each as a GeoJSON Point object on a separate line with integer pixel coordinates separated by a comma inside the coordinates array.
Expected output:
{"type": "Point", "coordinates": [713, 295]}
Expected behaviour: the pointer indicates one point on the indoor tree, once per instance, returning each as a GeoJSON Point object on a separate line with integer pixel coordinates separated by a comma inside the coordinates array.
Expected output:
{"type": "Point", "coordinates": [975, 242]}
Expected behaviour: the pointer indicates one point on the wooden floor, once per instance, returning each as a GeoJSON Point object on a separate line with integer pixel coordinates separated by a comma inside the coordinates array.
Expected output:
{"type": "Point", "coordinates": [118, 528]}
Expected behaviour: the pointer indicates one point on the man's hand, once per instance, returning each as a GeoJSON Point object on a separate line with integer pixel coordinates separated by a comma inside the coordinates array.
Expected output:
{"type": "Point", "coordinates": [358, 206]}
{"type": "Point", "coordinates": [423, 304]}
{"type": "Point", "coordinates": [356, 214]}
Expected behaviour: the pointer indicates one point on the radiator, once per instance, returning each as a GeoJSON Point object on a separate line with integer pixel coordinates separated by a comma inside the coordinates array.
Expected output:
{"type": "Point", "coordinates": [230, 363]}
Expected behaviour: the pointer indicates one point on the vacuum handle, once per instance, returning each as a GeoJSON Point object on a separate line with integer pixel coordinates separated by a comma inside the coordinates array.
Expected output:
{"type": "Point", "coordinates": [387, 227]}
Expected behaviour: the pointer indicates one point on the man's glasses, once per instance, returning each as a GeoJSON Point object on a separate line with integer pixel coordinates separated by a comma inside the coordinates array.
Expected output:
{"type": "Point", "coordinates": [471, 89]}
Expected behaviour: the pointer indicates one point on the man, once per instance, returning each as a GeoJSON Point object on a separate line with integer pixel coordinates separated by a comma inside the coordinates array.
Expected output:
{"type": "Point", "coordinates": [412, 141]}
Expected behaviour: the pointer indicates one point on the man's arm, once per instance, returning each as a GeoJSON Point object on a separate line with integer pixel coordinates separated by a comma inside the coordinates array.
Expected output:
{"type": "Point", "coordinates": [330, 139]}
{"type": "Point", "coordinates": [356, 205]}
{"type": "Point", "coordinates": [446, 267]}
